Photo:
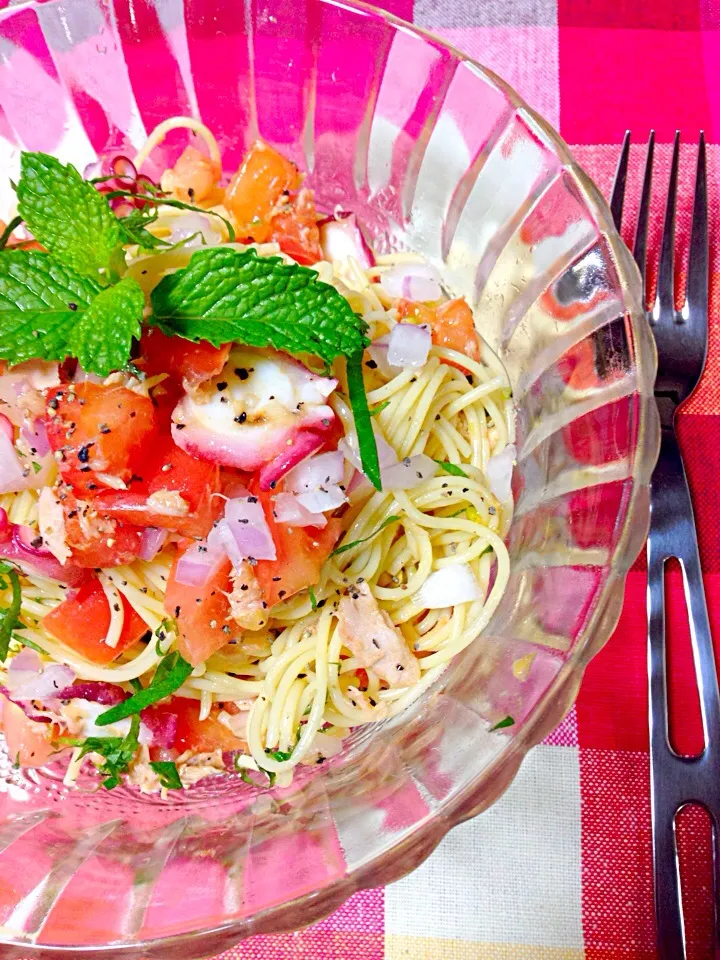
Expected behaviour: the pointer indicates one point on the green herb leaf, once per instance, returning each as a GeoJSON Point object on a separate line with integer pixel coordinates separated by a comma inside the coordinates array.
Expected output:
{"type": "Point", "coordinates": [374, 411]}
{"type": "Point", "coordinates": [117, 751]}
{"type": "Point", "coordinates": [36, 316]}
{"type": "Point", "coordinates": [29, 643]}
{"type": "Point", "coordinates": [363, 424]}
{"type": "Point", "coordinates": [452, 468]}
{"type": "Point", "coordinates": [168, 774]}
{"type": "Point", "coordinates": [9, 617]}
{"type": "Point", "coordinates": [348, 546]}
{"type": "Point", "coordinates": [313, 601]}
{"type": "Point", "coordinates": [506, 722]}
{"type": "Point", "coordinates": [225, 295]}
{"type": "Point", "coordinates": [102, 337]}
{"type": "Point", "coordinates": [279, 755]}
{"type": "Point", "coordinates": [37, 467]}
{"type": "Point", "coordinates": [159, 199]}
{"type": "Point", "coordinates": [133, 229]}
{"type": "Point", "coordinates": [66, 213]}
{"type": "Point", "coordinates": [171, 673]}
{"type": "Point", "coordinates": [8, 231]}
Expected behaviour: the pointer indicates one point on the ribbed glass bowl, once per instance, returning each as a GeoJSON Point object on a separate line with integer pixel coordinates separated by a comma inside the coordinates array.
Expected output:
{"type": "Point", "coordinates": [435, 154]}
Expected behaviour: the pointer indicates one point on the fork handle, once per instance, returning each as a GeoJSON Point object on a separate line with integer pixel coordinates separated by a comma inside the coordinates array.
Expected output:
{"type": "Point", "coordinates": [674, 780]}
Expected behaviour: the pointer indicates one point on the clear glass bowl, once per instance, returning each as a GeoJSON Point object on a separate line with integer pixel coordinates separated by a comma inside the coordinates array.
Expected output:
{"type": "Point", "coordinates": [434, 153]}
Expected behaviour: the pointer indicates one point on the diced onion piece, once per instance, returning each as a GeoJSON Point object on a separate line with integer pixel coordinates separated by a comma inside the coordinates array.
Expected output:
{"type": "Point", "coordinates": [11, 471]}
{"type": "Point", "coordinates": [349, 447]}
{"type": "Point", "coordinates": [195, 226]}
{"type": "Point", "coordinates": [29, 679]}
{"type": "Point", "coordinates": [409, 345]}
{"type": "Point", "coordinates": [413, 281]}
{"type": "Point", "coordinates": [196, 564]}
{"type": "Point", "coordinates": [408, 473]}
{"type": "Point", "coordinates": [51, 521]}
{"type": "Point", "coordinates": [378, 351]}
{"type": "Point", "coordinates": [248, 525]}
{"type": "Point", "coordinates": [316, 482]}
{"type": "Point", "coordinates": [152, 542]}
{"type": "Point", "coordinates": [221, 539]}
{"type": "Point", "coordinates": [35, 436]}
{"type": "Point", "coordinates": [499, 471]}
{"type": "Point", "coordinates": [448, 586]}
{"type": "Point", "coordinates": [288, 509]}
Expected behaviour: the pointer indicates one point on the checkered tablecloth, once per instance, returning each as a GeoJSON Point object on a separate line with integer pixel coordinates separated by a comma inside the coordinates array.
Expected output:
{"type": "Point", "coordinates": [560, 867]}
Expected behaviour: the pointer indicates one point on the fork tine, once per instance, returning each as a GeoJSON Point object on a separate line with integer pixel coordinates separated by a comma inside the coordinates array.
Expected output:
{"type": "Point", "coordinates": [640, 249]}
{"type": "Point", "coordinates": [698, 268]}
{"type": "Point", "coordinates": [665, 299]}
{"type": "Point", "coordinates": [617, 197]}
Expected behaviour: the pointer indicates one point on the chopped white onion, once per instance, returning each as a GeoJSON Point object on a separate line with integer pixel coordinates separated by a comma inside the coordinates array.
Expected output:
{"type": "Point", "coordinates": [409, 345]}
{"type": "Point", "coordinates": [151, 543]}
{"type": "Point", "coordinates": [342, 238]}
{"type": "Point", "coordinates": [195, 229]}
{"type": "Point", "coordinates": [246, 519]}
{"type": "Point", "coordinates": [349, 447]}
{"type": "Point", "coordinates": [12, 477]}
{"type": "Point", "coordinates": [316, 482]}
{"type": "Point", "coordinates": [35, 436]}
{"type": "Point", "coordinates": [288, 509]}
{"type": "Point", "coordinates": [499, 471]}
{"type": "Point", "coordinates": [408, 473]}
{"type": "Point", "coordinates": [412, 281]}
{"type": "Point", "coordinates": [51, 521]}
{"type": "Point", "coordinates": [196, 564]}
{"type": "Point", "coordinates": [29, 679]}
{"type": "Point", "coordinates": [378, 351]}
{"type": "Point", "coordinates": [221, 539]}
{"type": "Point", "coordinates": [448, 586]}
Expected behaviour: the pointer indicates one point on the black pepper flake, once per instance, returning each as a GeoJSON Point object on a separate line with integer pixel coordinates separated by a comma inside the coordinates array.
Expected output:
{"type": "Point", "coordinates": [399, 666]}
{"type": "Point", "coordinates": [54, 403]}
{"type": "Point", "coordinates": [85, 469]}
{"type": "Point", "coordinates": [243, 586]}
{"type": "Point", "coordinates": [241, 418]}
{"type": "Point", "coordinates": [71, 514]}
{"type": "Point", "coordinates": [177, 611]}
{"type": "Point", "coordinates": [252, 499]}
{"type": "Point", "coordinates": [104, 428]}
{"type": "Point", "coordinates": [72, 306]}
{"type": "Point", "coordinates": [371, 364]}
{"type": "Point", "coordinates": [264, 605]}
{"type": "Point", "coordinates": [179, 426]}
{"type": "Point", "coordinates": [222, 385]}
{"type": "Point", "coordinates": [276, 579]}
{"type": "Point", "coordinates": [375, 643]}
{"type": "Point", "coordinates": [281, 593]}
{"type": "Point", "coordinates": [242, 373]}
{"type": "Point", "coordinates": [191, 193]}
{"type": "Point", "coordinates": [273, 484]}
{"type": "Point", "coordinates": [90, 486]}
{"type": "Point", "coordinates": [321, 603]}
{"type": "Point", "coordinates": [133, 414]}
{"type": "Point", "coordinates": [84, 452]}
{"type": "Point", "coordinates": [116, 607]}
{"type": "Point", "coordinates": [36, 542]}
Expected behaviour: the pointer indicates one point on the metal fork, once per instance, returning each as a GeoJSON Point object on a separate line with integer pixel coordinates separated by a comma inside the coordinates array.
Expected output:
{"type": "Point", "coordinates": [681, 337]}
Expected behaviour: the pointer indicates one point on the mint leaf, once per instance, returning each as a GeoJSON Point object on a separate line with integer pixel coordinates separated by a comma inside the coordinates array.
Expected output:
{"type": "Point", "coordinates": [49, 312]}
{"type": "Point", "coordinates": [37, 297]}
{"type": "Point", "coordinates": [171, 673]}
{"type": "Point", "coordinates": [102, 336]}
{"type": "Point", "coordinates": [363, 424]}
{"type": "Point", "coordinates": [167, 773]}
{"type": "Point", "coordinates": [66, 213]}
{"type": "Point", "coordinates": [225, 295]}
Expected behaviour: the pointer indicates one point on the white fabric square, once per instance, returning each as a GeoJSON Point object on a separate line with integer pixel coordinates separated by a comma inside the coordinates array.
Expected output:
{"type": "Point", "coordinates": [491, 878]}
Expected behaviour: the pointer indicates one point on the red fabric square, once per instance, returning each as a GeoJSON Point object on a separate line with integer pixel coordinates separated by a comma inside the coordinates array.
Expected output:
{"type": "Point", "coordinates": [629, 14]}
{"type": "Point", "coordinates": [612, 80]}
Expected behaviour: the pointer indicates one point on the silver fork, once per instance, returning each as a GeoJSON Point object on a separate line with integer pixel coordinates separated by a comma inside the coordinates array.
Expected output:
{"type": "Point", "coordinates": [681, 337]}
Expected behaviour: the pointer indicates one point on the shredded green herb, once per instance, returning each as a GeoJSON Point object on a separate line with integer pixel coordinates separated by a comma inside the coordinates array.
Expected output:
{"type": "Point", "coordinates": [505, 722]}
{"type": "Point", "coordinates": [452, 468]}
{"type": "Point", "coordinates": [9, 617]}
{"type": "Point", "coordinates": [167, 773]}
{"type": "Point", "coordinates": [313, 601]}
{"type": "Point", "coordinates": [171, 673]}
{"type": "Point", "coordinates": [374, 411]}
{"type": "Point", "coordinates": [348, 546]}
{"type": "Point", "coordinates": [117, 751]}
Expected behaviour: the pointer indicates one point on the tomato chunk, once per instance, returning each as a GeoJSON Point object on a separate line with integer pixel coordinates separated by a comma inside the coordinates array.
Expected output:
{"type": "Point", "coordinates": [29, 742]}
{"type": "Point", "coordinates": [193, 178]}
{"type": "Point", "coordinates": [261, 180]}
{"type": "Point", "coordinates": [97, 429]}
{"type": "Point", "coordinates": [81, 622]}
{"type": "Point", "coordinates": [191, 733]}
{"type": "Point", "coordinates": [454, 327]}
{"type": "Point", "coordinates": [170, 471]}
{"type": "Point", "coordinates": [182, 359]}
{"type": "Point", "coordinates": [301, 553]}
{"type": "Point", "coordinates": [94, 539]}
{"type": "Point", "coordinates": [296, 230]}
{"type": "Point", "coordinates": [200, 612]}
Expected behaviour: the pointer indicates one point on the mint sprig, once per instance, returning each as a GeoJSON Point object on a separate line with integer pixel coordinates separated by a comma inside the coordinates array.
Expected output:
{"type": "Point", "coordinates": [49, 312]}
{"type": "Point", "coordinates": [225, 295]}
{"type": "Point", "coordinates": [66, 213]}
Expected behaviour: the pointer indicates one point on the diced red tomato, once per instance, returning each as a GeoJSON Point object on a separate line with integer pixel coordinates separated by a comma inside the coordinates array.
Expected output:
{"type": "Point", "coordinates": [29, 742]}
{"type": "Point", "coordinates": [194, 734]}
{"type": "Point", "coordinates": [451, 325]}
{"type": "Point", "coordinates": [182, 359]}
{"type": "Point", "coordinates": [301, 553]}
{"type": "Point", "coordinates": [261, 180]}
{"type": "Point", "coordinates": [169, 469]}
{"type": "Point", "coordinates": [81, 622]}
{"type": "Point", "coordinates": [97, 429]}
{"type": "Point", "coordinates": [200, 612]}
{"type": "Point", "coordinates": [94, 539]}
{"type": "Point", "coordinates": [297, 231]}
{"type": "Point", "coordinates": [194, 177]}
